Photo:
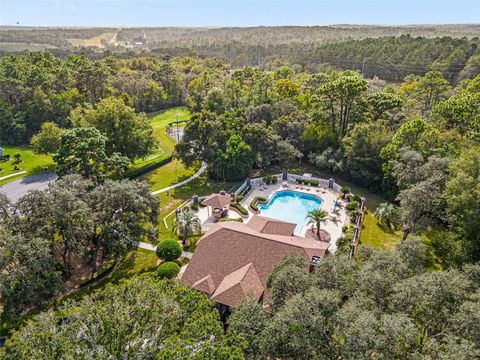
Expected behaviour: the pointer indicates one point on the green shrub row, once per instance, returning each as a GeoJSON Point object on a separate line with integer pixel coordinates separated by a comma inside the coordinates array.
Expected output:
{"type": "Point", "coordinates": [240, 208]}
{"type": "Point", "coordinates": [230, 219]}
{"type": "Point", "coordinates": [307, 182]}
{"type": "Point", "coordinates": [255, 201]}
{"type": "Point", "coordinates": [134, 173]}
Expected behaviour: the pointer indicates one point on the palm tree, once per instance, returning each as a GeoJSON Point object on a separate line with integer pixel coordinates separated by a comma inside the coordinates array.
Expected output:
{"type": "Point", "coordinates": [187, 224]}
{"type": "Point", "coordinates": [386, 212]}
{"type": "Point", "coordinates": [318, 217]}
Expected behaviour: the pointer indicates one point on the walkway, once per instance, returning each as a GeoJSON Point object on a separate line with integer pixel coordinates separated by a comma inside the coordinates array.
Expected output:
{"type": "Point", "coordinates": [13, 175]}
{"type": "Point", "coordinates": [147, 246]}
{"type": "Point", "coordinates": [194, 176]}
{"type": "Point", "coordinates": [17, 188]}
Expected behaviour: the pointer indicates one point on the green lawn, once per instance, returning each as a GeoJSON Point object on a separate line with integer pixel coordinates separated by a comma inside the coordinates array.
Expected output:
{"type": "Point", "coordinates": [168, 174]}
{"type": "Point", "coordinates": [378, 235]}
{"type": "Point", "coordinates": [166, 146]}
{"type": "Point", "coordinates": [161, 119]}
{"type": "Point", "coordinates": [31, 163]}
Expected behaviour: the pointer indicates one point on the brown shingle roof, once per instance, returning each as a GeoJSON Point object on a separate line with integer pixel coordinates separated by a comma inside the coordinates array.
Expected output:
{"type": "Point", "coordinates": [205, 285]}
{"type": "Point", "coordinates": [217, 201]}
{"type": "Point", "coordinates": [239, 285]}
{"type": "Point", "coordinates": [266, 225]}
{"type": "Point", "coordinates": [230, 246]}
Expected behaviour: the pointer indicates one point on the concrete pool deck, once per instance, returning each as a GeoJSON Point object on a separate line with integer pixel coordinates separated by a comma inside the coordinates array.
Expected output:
{"type": "Point", "coordinates": [328, 201]}
{"type": "Point", "coordinates": [328, 197]}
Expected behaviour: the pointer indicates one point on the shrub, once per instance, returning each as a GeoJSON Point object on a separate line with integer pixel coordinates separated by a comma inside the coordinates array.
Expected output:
{"type": "Point", "coordinates": [240, 208]}
{"type": "Point", "coordinates": [352, 206]}
{"type": "Point", "coordinates": [168, 270]}
{"type": "Point", "coordinates": [255, 201]}
{"type": "Point", "coordinates": [345, 190]}
{"type": "Point", "coordinates": [239, 198]}
{"type": "Point", "coordinates": [267, 179]}
{"type": "Point", "coordinates": [356, 198]}
{"type": "Point", "coordinates": [169, 250]}
{"type": "Point", "coordinates": [274, 179]}
{"type": "Point", "coordinates": [230, 219]}
{"type": "Point", "coordinates": [194, 207]}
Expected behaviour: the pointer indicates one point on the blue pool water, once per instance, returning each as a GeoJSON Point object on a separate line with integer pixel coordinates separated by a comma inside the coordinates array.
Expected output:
{"type": "Point", "coordinates": [290, 206]}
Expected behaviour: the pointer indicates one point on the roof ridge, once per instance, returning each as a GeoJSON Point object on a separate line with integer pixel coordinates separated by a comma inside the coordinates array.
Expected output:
{"type": "Point", "coordinates": [266, 236]}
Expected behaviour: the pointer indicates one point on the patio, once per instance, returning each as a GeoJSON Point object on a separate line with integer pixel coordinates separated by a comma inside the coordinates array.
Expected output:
{"type": "Point", "coordinates": [329, 198]}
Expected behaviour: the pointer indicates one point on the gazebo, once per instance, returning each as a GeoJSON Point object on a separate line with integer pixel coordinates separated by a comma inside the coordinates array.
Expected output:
{"type": "Point", "coordinates": [220, 204]}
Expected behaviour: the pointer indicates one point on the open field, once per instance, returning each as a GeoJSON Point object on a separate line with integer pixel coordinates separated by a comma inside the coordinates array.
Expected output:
{"type": "Point", "coordinates": [161, 119]}
{"type": "Point", "coordinates": [20, 46]}
{"type": "Point", "coordinates": [31, 163]}
{"type": "Point", "coordinates": [97, 41]}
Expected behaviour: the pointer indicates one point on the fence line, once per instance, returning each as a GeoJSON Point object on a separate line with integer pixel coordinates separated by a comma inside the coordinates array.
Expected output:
{"type": "Point", "coordinates": [358, 228]}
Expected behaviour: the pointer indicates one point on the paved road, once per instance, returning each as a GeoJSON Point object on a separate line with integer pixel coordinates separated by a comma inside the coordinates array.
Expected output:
{"type": "Point", "coordinates": [194, 176]}
{"type": "Point", "coordinates": [17, 188]}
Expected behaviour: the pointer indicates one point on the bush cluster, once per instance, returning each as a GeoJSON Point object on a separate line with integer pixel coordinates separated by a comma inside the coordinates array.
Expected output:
{"type": "Point", "coordinates": [270, 179]}
{"type": "Point", "coordinates": [169, 250]}
{"type": "Point", "coordinates": [255, 201]}
{"type": "Point", "coordinates": [240, 208]}
{"type": "Point", "coordinates": [168, 270]}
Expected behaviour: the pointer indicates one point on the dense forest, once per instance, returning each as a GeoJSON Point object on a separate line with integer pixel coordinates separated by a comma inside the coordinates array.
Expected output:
{"type": "Point", "coordinates": [411, 135]}
{"type": "Point", "coordinates": [389, 53]}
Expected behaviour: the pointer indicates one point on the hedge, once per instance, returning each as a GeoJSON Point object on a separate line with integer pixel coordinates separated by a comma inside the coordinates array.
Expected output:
{"type": "Point", "coordinates": [168, 270]}
{"type": "Point", "coordinates": [134, 173]}
{"type": "Point", "coordinates": [240, 208]}
{"type": "Point", "coordinates": [169, 249]}
{"type": "Point", "coordinates": [308, 182]}
{"type": "Point", "coordinates": [230, 219]}
{"type": "Point", "coordinates": [255, 201]}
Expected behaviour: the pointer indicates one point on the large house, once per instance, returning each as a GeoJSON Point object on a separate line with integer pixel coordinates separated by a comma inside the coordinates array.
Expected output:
{"type": "Point", "coordinates": [233, 260]}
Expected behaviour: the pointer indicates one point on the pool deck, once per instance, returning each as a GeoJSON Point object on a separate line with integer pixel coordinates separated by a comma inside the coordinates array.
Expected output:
{"type": "Point", "coordinates": [328, 197]}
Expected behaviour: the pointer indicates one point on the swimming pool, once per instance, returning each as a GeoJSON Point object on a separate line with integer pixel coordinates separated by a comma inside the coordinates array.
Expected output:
{"type": "Point", "coordinates": [291, 206]}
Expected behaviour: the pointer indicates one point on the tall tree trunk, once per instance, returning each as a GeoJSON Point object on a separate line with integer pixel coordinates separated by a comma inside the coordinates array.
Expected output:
{"type": "Point", "coordinates": [406, 231]}
{"type": "Point", "coordinates": [94, 256]}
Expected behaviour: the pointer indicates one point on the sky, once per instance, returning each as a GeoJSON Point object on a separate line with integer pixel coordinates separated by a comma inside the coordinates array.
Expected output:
{"type": "Point", "coordinates": [235, 12]}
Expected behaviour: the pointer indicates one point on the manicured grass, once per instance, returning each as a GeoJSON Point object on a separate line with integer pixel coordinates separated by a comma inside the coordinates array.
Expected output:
{"type": "Point", "coordinates": [166, 146]}
{"type": "Point", "coordinates": [169, 174]}
{"type": "Point", "coordinates": [377, 235]}
{"type": "Point", "coordinates": [161, 119]}
{"type": "Point", "coordinates": [31, 163]}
